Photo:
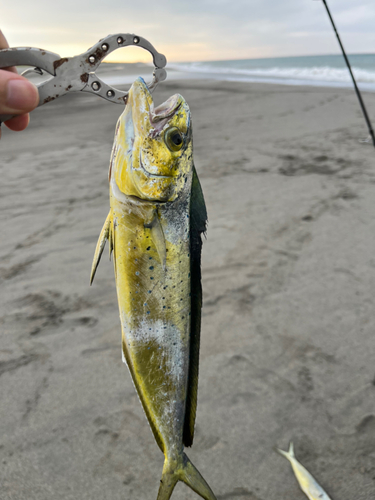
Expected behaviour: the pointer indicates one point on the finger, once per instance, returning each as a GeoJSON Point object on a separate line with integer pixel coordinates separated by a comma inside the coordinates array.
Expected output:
{"type": "Point", "coordinates": [18, 123]}
{"type": "Point", "coordinates": [3, 41]}
{"type": "Point", "coordinates": [4, 45]}
{"type": "Point", "coordinates": [17, 95]}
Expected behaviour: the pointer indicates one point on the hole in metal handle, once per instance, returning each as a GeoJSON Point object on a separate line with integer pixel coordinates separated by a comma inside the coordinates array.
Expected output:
{"type": "Point", "coordinates": [95, 86]}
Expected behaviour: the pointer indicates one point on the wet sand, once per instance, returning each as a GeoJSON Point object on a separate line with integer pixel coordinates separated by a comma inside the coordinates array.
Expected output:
{"type": "Point", "coordinates": [288, 321]}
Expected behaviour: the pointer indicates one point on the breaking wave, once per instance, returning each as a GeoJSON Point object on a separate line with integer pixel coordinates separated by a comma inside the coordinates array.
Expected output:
{"type": "Point", "coordinates": [298, 75]}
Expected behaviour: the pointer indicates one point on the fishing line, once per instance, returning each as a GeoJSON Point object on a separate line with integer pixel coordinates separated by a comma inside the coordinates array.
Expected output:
{"type": "Point", "coordinates": [371, 131]}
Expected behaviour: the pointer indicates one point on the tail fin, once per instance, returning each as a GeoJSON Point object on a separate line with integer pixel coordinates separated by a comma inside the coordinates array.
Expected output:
{"type": "Point", "coordinates": [184, 471]}
{"type": "Point", "coordinates": [287, 454]}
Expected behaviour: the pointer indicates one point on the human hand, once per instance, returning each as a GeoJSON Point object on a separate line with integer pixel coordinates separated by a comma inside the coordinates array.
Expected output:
{"type": "Point", "coordinates": [18, 96]}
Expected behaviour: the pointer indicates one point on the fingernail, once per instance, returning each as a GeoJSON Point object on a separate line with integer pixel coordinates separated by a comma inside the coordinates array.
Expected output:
{"type": "Point", "coordinates": [21, 95]}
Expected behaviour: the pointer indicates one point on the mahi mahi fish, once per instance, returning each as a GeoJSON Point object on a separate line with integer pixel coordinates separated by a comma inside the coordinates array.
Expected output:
{"type": "Point", "coordinates": [307, 483]}
{"type": "Point", "coordinates": [154, 227]}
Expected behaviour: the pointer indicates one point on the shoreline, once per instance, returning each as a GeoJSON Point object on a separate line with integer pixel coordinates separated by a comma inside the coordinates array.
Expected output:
{"type": "Point", "coordinates": [176, 74]}
{"type": "Point", "coordinates": [124, 74]}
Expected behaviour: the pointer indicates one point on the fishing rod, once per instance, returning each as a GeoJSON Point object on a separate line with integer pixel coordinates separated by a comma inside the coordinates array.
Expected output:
{"type": "Point", "coordinates": [371, 131]}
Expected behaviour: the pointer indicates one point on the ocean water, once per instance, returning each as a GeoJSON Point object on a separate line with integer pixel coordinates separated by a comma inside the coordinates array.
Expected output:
{"type": "Point", "coordinates": [329, 70]}
{"type": "Point", "coordinates": [307, 70]}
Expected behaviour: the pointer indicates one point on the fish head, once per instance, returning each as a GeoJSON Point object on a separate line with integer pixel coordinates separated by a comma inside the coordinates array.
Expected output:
{"type": "Point", "coordinates": [152, 153]}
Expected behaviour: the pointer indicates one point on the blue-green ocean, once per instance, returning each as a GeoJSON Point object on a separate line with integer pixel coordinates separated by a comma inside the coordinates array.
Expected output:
{"type": "Point", "coordinates": [327, 70]}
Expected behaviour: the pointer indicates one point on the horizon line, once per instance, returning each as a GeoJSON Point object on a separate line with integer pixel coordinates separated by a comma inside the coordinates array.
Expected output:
{"type": "Point", "coordinates": [246, 58]}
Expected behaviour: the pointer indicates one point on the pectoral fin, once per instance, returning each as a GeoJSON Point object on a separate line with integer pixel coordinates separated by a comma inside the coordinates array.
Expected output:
{"type": "Point", "coordinates": [103, 237]}
{"type": "Point", "coordinates": [157, 236]}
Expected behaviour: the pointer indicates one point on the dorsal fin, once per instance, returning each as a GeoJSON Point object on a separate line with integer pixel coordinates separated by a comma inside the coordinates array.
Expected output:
{"type": "Point", "coordinates": [103, 237]}
{"type": "Point", "coordinates": [198, 223]}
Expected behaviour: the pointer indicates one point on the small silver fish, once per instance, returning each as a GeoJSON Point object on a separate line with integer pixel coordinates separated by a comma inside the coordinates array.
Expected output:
{"type": "Point", "coordinates": [307, 483]}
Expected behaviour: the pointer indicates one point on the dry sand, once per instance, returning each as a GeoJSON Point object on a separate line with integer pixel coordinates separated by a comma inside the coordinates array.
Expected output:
{"type": "Point", "coordinates": [288, 323]}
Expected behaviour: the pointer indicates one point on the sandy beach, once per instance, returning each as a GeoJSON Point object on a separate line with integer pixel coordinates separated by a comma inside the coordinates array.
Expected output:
{"type": "Point", "coordinates": [287, 349]}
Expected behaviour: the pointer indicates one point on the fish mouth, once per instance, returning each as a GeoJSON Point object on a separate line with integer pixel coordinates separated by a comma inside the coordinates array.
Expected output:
{"type": "Point", "coordinates": [143, 103]}
{"type": "Point", "coordinates": [149, 175]}
{"type": "Point", "coordinates": [165, 110]}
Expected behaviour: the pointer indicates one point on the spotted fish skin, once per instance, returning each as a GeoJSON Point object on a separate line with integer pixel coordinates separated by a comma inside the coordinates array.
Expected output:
{"type": "Point", "coordinates": [306, 481]}
{"type": "Point", "coordinates": [154, 230]}
{"type": "Point", "coordinates": [155, 313]}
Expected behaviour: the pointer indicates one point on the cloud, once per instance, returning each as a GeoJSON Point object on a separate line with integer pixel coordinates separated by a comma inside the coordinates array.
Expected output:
{"type": "Point", "coordinates": [195, 29]}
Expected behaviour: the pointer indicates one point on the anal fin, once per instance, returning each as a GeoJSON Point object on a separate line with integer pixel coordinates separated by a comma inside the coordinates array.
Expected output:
{"type": "Point", "coordinates": [103, 237]}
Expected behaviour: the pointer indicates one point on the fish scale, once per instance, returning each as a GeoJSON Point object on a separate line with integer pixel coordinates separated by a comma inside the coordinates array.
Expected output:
{"type": "Point", "coordinates": [154, 315]}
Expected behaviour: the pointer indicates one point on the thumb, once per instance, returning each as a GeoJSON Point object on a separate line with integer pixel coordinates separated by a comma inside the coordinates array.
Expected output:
{"type": "Point", "coordinates": [17, 95]}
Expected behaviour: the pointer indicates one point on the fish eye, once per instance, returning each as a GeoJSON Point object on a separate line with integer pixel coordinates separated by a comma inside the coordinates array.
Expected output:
{"type": "Point", "coordinates": [173, 139]}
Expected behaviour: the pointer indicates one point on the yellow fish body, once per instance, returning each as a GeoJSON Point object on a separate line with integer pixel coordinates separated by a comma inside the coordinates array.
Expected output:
{"type": "Point", "coordinates": [154, 229]}
{"type": "Point", "coordinates": [307, 483]}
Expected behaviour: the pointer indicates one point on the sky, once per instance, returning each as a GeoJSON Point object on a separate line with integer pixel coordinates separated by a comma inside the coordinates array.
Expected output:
{"type": "Point", "coordinates": [192, 30]}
